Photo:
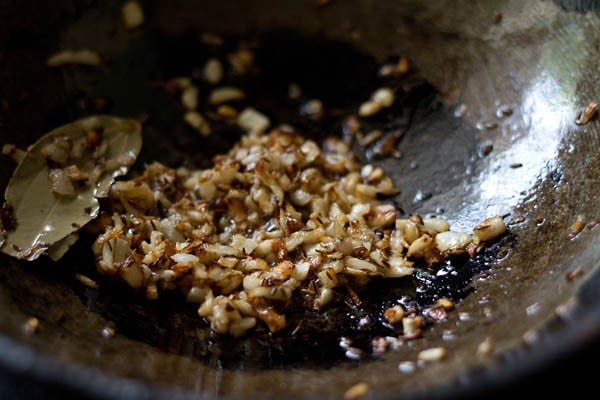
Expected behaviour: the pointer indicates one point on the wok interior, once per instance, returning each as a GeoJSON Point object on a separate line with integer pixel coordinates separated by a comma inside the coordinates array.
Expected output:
{"type": "Point", "coordinates": [537, 59]}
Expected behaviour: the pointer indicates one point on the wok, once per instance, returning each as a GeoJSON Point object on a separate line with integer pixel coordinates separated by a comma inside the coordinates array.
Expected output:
{"type": "Point", "coordinates": [537, 299]}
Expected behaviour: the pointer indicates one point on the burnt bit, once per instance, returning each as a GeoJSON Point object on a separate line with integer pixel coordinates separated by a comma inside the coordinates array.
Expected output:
{"type": "Point", "coordinates": [101, 104]}
{"type": "Point", "coordinates": [60, 316]}
{"type": "Point", "coordinates": [539, 221]}
{"type": "Point", "coordinates": [387, 145]}
{"type": "Point", "coordinates": [8, 222]}
{"type": "Point", "coordinates": [574, 273]}
{"type": "Point", "coordinates": [94, 138]}
{"type": "Point", "coordinates": [593, 223]}
{"type": "Point", "coordinates": [497, 17]}
{"type": "Point", "coordinates": [486, 149]}
{"type": "Point", "coordinates": [321, 3]}
{"type": "Point", "coordinates": [587, 114]}
{"type": "Point", "coordinates": [516, 220]}
{"type": "Point", "coordinates": [504, 111]}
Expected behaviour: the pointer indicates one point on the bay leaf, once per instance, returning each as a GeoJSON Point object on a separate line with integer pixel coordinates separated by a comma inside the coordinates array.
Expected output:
{"type": "Point", "coordinates": [58, 249]}
{"type": "Point", "coordinates": [44, 217]}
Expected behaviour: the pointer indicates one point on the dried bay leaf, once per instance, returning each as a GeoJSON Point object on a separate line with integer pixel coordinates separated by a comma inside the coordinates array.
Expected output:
{"type": "Point", "coordinates": [58, 249]}
{"type": "Point", "coordinates": [94, 151]}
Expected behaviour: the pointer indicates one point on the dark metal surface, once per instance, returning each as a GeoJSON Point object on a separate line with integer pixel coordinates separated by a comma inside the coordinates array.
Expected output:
{"type": "Point", "coordinates": [537, 57]}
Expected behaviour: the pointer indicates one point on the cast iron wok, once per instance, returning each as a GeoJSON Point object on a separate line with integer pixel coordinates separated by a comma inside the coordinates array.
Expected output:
{"type": "Point", "coordinates": [540, 58]}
